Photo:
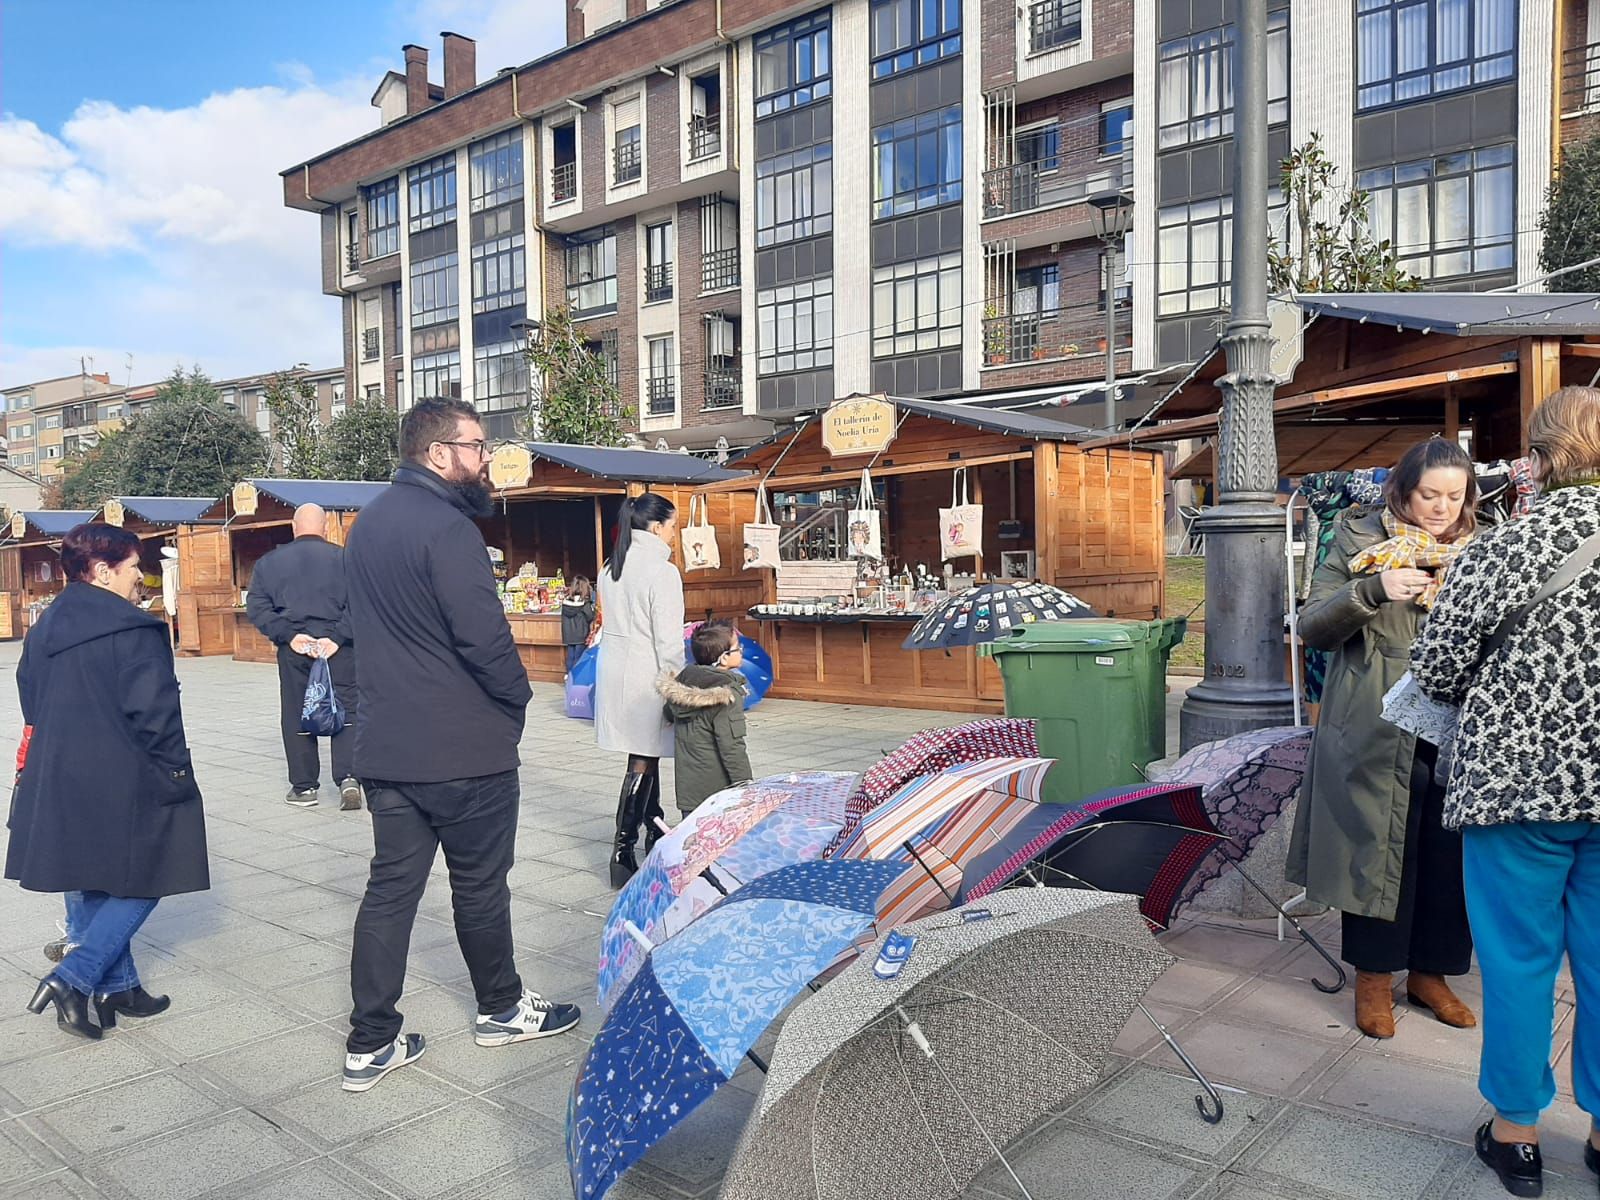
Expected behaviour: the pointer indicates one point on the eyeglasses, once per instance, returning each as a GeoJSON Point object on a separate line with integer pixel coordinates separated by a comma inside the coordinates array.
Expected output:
{"type": "Point", "coordinates": [480, 445]}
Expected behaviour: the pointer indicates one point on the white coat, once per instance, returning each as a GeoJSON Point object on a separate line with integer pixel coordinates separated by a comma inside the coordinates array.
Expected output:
{"type": "Point", "coordinates": [641, 635]}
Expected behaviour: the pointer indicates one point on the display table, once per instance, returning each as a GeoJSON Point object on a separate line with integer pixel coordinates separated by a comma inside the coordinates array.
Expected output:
{"type": "Point", "coordinates": [538, 638]}
{"type": "Point", "coordinates": [249, 643]}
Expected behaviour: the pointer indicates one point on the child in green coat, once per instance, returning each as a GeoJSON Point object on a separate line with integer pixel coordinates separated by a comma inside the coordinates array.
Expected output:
{"type": "Point", "coordinates": [705, 703]}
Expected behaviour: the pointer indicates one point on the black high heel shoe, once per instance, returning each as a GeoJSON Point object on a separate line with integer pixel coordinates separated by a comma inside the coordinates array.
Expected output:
{"type": "Point", "coordinates": [133, 1003]}
{"type": "Point", "coordinates": [72, 1006]}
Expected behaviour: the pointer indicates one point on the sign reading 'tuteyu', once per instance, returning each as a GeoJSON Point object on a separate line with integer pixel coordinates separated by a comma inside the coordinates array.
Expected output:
{"type": "Point", "coordinates": [858, 425]}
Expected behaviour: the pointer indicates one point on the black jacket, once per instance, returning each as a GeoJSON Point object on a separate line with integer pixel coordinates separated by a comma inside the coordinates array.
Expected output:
{"type": "Point", "coordinates": [300, 588]}
{"type": "Point", "coordinates": [107, 801]}
{"type": "Point", "coordinates": [577, 618]}
{"type": "Point", "coordinates": [443, 691]}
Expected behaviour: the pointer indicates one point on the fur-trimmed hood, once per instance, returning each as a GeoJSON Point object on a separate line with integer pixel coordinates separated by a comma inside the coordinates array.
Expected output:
{"type": "Point", "coordinates": [696, 688]}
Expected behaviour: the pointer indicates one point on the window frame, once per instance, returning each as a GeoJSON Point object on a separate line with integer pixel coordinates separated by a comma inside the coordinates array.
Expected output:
{"type": "Point", "coordinates": [1048, 163]}
{"type": "Point", "coordinates": [1499, 160]}
{"type": "Point", "coordinates": [440, 364]}
{"type": "Point", "coordinates": [800, 38]}
{"type": "Point", "coordinates": [948, 184]}
{"type": "Point", "coordinates": [383, 218]}
{"type": "Point", "coordinates": [896, 333]}
{"type": "Point", "coordinates": [503, 151]}
{"type": "Point", "coordinates": [593, 242]}
{"type": "Point", "coordinates": [1474, 63]}
{"type": "Point", "coordinates": [772, 358]}
{"type": "Point", "coordinates": [661, 392]}
{"type": "Point", "coordinates": [1195, 129]}
{"type": "Point", "coordinates": [922, 47]}
{"type": "Point", "coordinates": [1124, 141]}
{"type": "Point", "coordinates": [787, 166]}
{"type": "Point", "coordinates": [659, 261]}
{"type": "Point", "coordinates": [445, 267]}
{"type": "Point", "coordinates": [433, 181]}
{"type": "Point", "coordinates": [489, 376]}
{"type": "Point", "coordinates": [508, 256]}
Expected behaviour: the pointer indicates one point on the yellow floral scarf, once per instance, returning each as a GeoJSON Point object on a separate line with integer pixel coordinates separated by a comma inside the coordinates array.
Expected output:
{"type": "Point", "coordinates": [1410, 546]}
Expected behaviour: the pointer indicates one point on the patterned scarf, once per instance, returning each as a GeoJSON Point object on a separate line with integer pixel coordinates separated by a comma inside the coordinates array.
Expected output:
{"type": "Point", "coordinates": [1410, 546]}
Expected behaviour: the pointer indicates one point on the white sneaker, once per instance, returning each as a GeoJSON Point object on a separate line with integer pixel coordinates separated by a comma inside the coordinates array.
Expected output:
{"type": "Point", "coordinates": [533, 1017]}
{"type": "Point", "coordinates": [362, 1071]}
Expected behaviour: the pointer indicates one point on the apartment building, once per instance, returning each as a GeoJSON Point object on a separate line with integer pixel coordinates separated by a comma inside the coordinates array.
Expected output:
{"type": "Point", "coordinates": [753, 208]}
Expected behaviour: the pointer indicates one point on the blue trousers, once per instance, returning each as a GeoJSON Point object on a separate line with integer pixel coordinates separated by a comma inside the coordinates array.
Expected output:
{"type": "Point", "coordinates": [1533, 893]}
{"type": "Point", "coordinates": [102, 928]}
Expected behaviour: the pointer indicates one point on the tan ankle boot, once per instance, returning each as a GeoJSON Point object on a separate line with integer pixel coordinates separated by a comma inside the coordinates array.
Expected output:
{"type": "Point", "coordinates": [1434, 994]}
{"type": "Point", "coordinates": [1375, 1003]}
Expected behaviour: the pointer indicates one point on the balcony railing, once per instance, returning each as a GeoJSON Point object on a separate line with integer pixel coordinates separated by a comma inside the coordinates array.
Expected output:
{"type": "Point", "coordinates": [1055, 333]}
{"type": "Point", "coordinates": [1053, 24]}
{"type": "Point", "coordinates": [705, 135]}
{"type": "Point", "coordinates": [719, 269]}
{"type": "Point", "coordinates": [662, 393]}
{"type": "Point", "coordinates": [1025, 186]}
{"type": "Point", "coordinates": [564, 182]}
{"type": "Point", "coordinates": [352, 256]}
{"type": "Point", "coordinates": [627, 164]}
{"type": "Point", "coordinates": [369, 345]}
{"type": "Point", "coordinates": [1580, 78]}
{"type": "Point", "coordinates": [722, 386]}
{"type": "Point", "coordinates": [657, 282]}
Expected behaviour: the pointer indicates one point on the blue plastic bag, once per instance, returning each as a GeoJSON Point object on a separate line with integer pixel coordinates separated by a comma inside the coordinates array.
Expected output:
{"type": "Point", "coordinates": [321, 715]}
{"type": "Point", "coordinates": [580, 689]}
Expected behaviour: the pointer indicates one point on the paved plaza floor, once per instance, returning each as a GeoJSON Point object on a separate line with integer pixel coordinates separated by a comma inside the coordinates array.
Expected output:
{"type": "Point", "coordinates": [235, 1092]}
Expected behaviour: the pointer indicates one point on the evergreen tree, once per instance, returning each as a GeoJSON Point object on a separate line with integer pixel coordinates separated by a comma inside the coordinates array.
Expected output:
{"type": "Point", "coordinates": [301, 439]}
{"type": "Point", "coordinates": [1571, 219]}
{"type": "Point", "coordinates": [364, 441]}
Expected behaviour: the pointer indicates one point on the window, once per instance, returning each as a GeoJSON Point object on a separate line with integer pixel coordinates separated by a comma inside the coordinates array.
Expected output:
{"type": "Point", "coordinates": [605, 348]}
{"type": "Point", "coordinates": [111, 412]}
{"type": "Point", "coordinates": [911, 33]}
{"type": "Point", "coordinates": [22, 431]}
{"type": "Point", "coordinates": [662, 388]}
{"type": "Point", "coordinates": [564, 163]}
{"type": "Point", "coordinates": [794, 195]}
{"type": "Point", "coordinates": [432, 190]}
{"type": "Point", "coordinates": [1122, 288]}
{"type": "Point", "coordinates": [917, 163]}
{"type": "Point", "coordinates": [263, 416]}
{"type": "Point", "coordinates": [53, 421]}
{"type": "Point", "coordinates": [352, 240]}
{"type": "Point", "coordinates": [1053, 24]}
{"type": "Point", "coordinates": [494, 171]}
{"type": "Point", "coordinates": [719, 244]}
{"type": "Point", "coordinates": [23, 401]}
{"type": "Point", "coordinates": [1195, 82]}
{"type": "Point", "coordinates": [916, 306]}
{"type": "Point", "coordinates": [658, 249]}
{"type": "Point", "coordinates": [1195, 253]}
{"type": "Point", "coordinates": [627, 156]}
{"type": "Point", "coordinates": [51, 451]}
{"type": "Point", "coordinates": [1406, 49]}
{"type": "Point", "coordinates": [592, 271]}
{"type": "Point", "coordinates": [436, 375]}
{"type": "Point", "coordinates": [1040, 146]}
{"type": "Point", "coordinates": [435, 289]}
{"type": "Point", "coordinates": [793, 65]}
{"type": "Point", "coordinates": [1036, 290]}
{"type": "Point", "coordinates": [383, 218]}
{"type": "Point", "coordinates": [23, 460]}
{"type": "Point", "coordinates": [705, 115]}
{"type": "Point", "coordinates": [722, 363]}
{"type": "Point", "coordinates": [1116, 128]}
{"type": "Point", "coordinates": [795, 326]}
{"type": "Point", "coordinates": [373, 391]}
{"type": "Point", "coordinates": [1448, 216]}
{"type": "Point", "coordinates": [499, 260]}
{"type": "Point", "coordinates": [370, 331]}
{"type": "Point", "coordinates": [499, 376]}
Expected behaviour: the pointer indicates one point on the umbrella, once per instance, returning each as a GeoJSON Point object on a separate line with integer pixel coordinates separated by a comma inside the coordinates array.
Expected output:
{"type": "Point", "coordinates": [985, 612]}
{"type": "Point", "coordinates": [700, 1001]}
{"type": "Point", "coordinates": [742, 831]}
{"type": "Point", "coordinates": [882, 1089]}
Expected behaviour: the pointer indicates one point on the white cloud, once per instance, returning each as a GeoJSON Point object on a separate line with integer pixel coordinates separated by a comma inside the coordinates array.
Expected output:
{"type": "Point", "coordinates": [509, 33]}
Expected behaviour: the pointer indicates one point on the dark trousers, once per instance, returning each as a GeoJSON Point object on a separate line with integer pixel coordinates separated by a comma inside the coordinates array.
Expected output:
{"type": "Point", "coordinates": [1429, 932]}
{"type": "Point", "coordinates": [300, 749]}
{"type": "Point", "coordinates": [475, 820]}
{"type": "Point", "coordinates": [574, 653]}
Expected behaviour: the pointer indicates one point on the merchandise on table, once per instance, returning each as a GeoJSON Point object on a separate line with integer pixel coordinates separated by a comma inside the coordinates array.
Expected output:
{"type": "Point", "coordinates": [527, 592]}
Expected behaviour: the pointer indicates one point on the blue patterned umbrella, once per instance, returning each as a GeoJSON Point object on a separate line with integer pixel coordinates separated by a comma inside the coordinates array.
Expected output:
{"type": "Point", "coordinates": [701, 1000]}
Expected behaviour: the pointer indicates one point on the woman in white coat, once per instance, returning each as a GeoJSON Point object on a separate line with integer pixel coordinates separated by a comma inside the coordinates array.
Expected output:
{"type": "Point", "coordinates": [641, 635]}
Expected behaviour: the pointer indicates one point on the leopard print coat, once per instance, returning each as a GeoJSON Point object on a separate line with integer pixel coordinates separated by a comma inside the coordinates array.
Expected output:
{"type": "Point", "coordinates": [1529, 746]}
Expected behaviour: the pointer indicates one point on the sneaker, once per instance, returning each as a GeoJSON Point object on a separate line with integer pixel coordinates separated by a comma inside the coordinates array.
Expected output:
{"type": "Point", "coordinates": [57, 950]}
{"type": "Point", "coordinates": [362, 1071]}
{"type": "Point", "coordinates": [533, 1017]}
{"type": "Point", "coordinates": [302, 797]}
{"type": "Point", "coordinates": [349, 795]}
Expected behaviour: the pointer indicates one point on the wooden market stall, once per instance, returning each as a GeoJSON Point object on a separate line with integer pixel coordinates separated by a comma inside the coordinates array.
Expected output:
{"type": "Point", "coordinates": [556, 513]}
{"type": "Point", "coordinates": [30, 565]}
{"type": "Point", "coordinates": [256, 518]}
{"type": "Point", "coordinates": [1089, 523]}
{"type": "Point", "coordinates": [162, 523]}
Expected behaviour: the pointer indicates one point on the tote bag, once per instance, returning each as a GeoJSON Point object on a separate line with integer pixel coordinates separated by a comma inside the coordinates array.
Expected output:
{"type": "Point", "coordinates": [960, 525]}
{"type": "Point", "coordinates": [321, 715]}
{"type": "Point", "coordinates": [761, 537]}
{"type": "Point", "coordinates": [700, 551]}
{"type": "Point", "coordinates": [864, 533]}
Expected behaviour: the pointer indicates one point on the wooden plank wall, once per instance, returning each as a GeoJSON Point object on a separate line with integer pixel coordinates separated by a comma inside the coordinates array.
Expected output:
{"type": "Point", "coordinates": [205, 590]}
{"type": "Point", "coordinates": [1106, 539]}
{"type": "Point", "coordinates": [728, 591]}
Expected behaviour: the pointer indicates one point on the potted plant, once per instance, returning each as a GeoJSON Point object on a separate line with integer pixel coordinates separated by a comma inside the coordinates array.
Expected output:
{"type": "Point", "coordinates": [994, 335]}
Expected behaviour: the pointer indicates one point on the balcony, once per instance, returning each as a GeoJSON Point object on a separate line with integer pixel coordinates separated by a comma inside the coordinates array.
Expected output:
{"type": "Point", "coordinates": [662, 395]}
{"type": "Point", "coordinates": [657, 282]}
{"type": "Point", "coordinates": [1026, 186]}
{"type": "Point", "coordinates": [563, 182]}
{"type": "Point", "coordinates": [369, 345]}
{"type": "Point", "coordinates": [705, 135]}
{"type": "Point", "coordinates": [1580, 79]}
{"type": "Point", "coordinates": [352, 257]}
{"type": "Point", "coordinates": [719, 269]}
{"type": "Point", "coordinates": [627, 163]}
{"type": "Point", "coordinates": [1053, 24]}
{"type": "Point", "coordinates": [1061, 333]}
{"type": "Point", "coordinates": [723, 386]}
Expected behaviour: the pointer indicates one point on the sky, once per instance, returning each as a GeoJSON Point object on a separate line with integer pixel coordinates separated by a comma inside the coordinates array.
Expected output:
{"type": "Point", "coordinates": [141, 214]}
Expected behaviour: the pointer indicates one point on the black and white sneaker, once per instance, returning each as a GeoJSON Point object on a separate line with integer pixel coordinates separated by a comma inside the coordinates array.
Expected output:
{"type": "Point", "coordinates": [302, 797]}
{"type": "Point", "coordinates": [533, 1017]}
{"type": "Point", "coordinates": [349, 795]}
{"type": "Point", "coordinates": [362, 1071]}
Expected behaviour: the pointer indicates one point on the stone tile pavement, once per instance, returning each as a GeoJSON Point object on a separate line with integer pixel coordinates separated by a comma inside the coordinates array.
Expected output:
{"type": "Point", "coordinates": [234, 1093]}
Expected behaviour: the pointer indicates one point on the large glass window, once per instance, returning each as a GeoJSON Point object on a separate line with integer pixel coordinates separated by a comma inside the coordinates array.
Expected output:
{"type": "Point", "coordinates": [436, 375]}
{"type": "Point", "coordinates": [1406, 49]}
{"type": "Point", "coordinates": [911, 33]}
{"type": "Point", "coordinates": [499, 376]}
{"type": "Point", "coordinates": [1195, 253]}
{"type": "Point", "coordinates": [916, 306]}
{"type": "Point", "coordinates": [1116, 128]}
{"type": "Point", "coordinates": [1040, 146]}
{"type": "Point", "coordinates": [431, 187]}
{"type": "Point", "coordinates": [1448, 216]}
{"type": "Point", "coordinates": [661, 382]}
{"type": "Point", "coordinates": [1195, 82]}
{"type": "Point", "coordinates": [659, 245]}
{"type": "Point", "coordinates": [383, 218]}
{"type": "Point", "coordinates": [592, 271]}
{"type": "Point", "coordinates": [494, 171]}
{"type": "Point", "coordinates": [794, 64]}
{"type": "Point", "coordinates": [498, 273]}
{"type": "Point", "coordinates": [794, 195]}
{"type": "Point", "coordinates": [627, 148]}
{"type": "Point", "coordinates": [795, 324]}
{"type": "Point", "coordinates": [917, 163]}
{"type": "Point", "coordinates": [435, 289]}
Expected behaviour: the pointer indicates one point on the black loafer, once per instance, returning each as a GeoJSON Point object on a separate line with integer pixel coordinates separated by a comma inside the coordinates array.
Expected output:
{"type": "Point", "coordinates": [1519, 1164]}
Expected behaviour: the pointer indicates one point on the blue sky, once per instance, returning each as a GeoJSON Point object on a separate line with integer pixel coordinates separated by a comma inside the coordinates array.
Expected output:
{"type": "Point", "coordinates": [140, 145]}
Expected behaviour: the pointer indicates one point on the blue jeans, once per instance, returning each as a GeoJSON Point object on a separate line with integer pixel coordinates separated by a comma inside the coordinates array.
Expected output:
{"type": "Point", "coordinates": [102, 928]}
{"type": "Point", "coordinates": [1533, 893]}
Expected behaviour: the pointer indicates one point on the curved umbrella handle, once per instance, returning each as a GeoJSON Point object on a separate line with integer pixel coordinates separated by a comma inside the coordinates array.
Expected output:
{"type": "Point", "coordinates": [1209, 1115]}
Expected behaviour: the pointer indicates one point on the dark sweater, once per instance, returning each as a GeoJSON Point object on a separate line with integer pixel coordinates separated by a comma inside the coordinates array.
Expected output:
{"type": "Point", "coordinates": [300, 588]}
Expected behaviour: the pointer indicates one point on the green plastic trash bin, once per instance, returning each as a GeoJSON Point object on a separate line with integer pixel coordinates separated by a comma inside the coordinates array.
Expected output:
{"type": "Point", "coordinates": [1098, 692]}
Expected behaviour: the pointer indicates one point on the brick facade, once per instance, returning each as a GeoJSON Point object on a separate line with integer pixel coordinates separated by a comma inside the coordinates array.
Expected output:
{"type": "Point", "coordinates": [662, 132]}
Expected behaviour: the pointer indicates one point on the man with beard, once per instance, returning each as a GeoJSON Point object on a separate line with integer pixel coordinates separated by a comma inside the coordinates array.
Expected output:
{"type": "Point", "coordinates": [444, 697]}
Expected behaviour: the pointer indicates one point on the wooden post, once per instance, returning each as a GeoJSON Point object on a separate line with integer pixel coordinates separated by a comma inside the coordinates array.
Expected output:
{"type": "Point", "coordinates": [599, 539]}
{"type": "Point", "coordinates": [1539, 374]}
{"type": "Point", "coordinates": [1046, 510]}
{"type": "Point", "coordinates": [1452, 415]}
{"type": "Point", "coordinates": [977, 498]}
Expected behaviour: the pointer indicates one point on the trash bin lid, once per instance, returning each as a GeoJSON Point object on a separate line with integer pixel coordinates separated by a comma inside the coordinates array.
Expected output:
{"type": "Point", "coordinates": [1070, 637]}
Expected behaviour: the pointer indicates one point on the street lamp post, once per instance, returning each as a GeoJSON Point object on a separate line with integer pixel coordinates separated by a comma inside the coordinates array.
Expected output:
{"type": "Point", "coordinates": [1112, 213]}
{"type": "Point", "coordinates": [1244, 687]}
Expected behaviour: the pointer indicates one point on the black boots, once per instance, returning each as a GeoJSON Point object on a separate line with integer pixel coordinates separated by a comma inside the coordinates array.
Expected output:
{"type": "Point", "coordinates": [652, 812]}
{"type": "Point", "coordinates": [630, 812]}
{"type": "Point", "coordinates": [134, 1003]}
{"type": "Point", "coordinates": [72, 1006]}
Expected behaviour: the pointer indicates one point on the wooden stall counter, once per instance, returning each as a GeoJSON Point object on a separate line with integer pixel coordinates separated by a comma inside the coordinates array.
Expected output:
{"type": "Point", "coordinates": [538, 639]}
{"type": "Point", "coordinates": [249, 643]}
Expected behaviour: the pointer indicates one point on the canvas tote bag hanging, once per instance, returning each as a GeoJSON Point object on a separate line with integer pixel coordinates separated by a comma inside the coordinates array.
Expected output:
{"type": "Point", "coordinates": [864, 533]}
{"type": "Point", "coordinates": [960, 525]}
{"type": "Point", "coordinates": [700, 551]}
{"type": "Point", "coordinates": [761, 537]}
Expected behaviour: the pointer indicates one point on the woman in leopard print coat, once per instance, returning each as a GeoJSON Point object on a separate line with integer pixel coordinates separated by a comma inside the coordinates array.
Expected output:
{"type": "Point", "coordinates": [1525, 786]}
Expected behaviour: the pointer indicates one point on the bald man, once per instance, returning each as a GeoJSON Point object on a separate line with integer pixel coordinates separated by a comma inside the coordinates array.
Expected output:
{"type": "Point", "coordinates": [297, 599]}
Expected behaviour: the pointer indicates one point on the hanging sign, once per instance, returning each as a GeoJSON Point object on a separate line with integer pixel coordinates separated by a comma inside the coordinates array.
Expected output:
{"type": "Point", "coordinates": [858, 425]}
{"type": "Point", "coordinates": [113, 513]}
{"type": "Point", "coordinates": [19, 525]}
{"type": "Point", "coordinates": [245, 499]}
{"type": "Point", "coordinates": [510, 466]}
{"type": "Point", "coordinates": [1288, 338]}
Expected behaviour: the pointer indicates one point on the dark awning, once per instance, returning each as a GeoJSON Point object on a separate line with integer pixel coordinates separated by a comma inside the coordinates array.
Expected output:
{"type": "Point", "coordinates": [995, 420]}
{"type": "Point", "coordinates": [629, 465]}
{"type": "Point", "coordinates": [335, 495]}
{"type": "Point", "coordinates": [166, 510]}
{"type": "Point", "coordinates": [55, 522]}
{"type": "Point", "coordinates": [1467, 314]}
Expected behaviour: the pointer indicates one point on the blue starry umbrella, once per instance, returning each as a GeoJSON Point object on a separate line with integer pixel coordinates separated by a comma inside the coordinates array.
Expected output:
{"type": "Point", "coordinates": [701, 1000]}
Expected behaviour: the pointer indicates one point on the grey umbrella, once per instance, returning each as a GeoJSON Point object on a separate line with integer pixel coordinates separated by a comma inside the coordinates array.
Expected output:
{"type": "Point", "coordinates": [911, 1086]}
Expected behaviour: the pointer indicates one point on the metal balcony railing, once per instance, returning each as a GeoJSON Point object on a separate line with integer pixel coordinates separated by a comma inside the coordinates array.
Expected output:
{"type": "Point", "coordinates": [627, 164]}
{"type": "Point", "coordinates": [369, 345]}
{"type": "Point", "coordinates": [1065, 179]}
{"type": "Point", "coordinates": [662, 393]}
{"type": "Point", "coordinates": [722, 386]}
{"type": "Point", "coordinates": [352, 256]}
{"type": "Point", "coordinates": [1054, 333]}
{"type": "Point", "coordinates": [657, 282]}
{"type": "Point", "coordinates": [719, 269]}
{"type": "Point", "coordinates": [1053, 24]}
{"type": "Point", "coordinates": [564, 182]}
{"type": "Point", "coordinates": [705, 135]}
{"type": "Point", "coordinates": [1580, 78]}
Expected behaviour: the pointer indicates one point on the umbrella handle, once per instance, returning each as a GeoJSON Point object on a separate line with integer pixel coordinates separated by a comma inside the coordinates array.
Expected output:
{"type": "Point", "coordinates": [1209, 1115]}
{"type": "Point", "coordinates": [1339, 974]}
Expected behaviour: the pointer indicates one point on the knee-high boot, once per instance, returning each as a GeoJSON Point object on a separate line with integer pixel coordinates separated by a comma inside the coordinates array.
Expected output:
{"type": "Point", "coordinates": [630, 812]}
{"type": "Point", "coordinates": [652, 812]}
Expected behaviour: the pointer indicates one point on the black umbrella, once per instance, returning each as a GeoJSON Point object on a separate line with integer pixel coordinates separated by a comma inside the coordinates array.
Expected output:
{"type": "Point", "coordinates": [991, 610]}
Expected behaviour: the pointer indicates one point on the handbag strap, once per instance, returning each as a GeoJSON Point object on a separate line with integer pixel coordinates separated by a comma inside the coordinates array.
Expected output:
{"type": "Point", "coordinates": [958, 487]}
{"type": "Point", "coordinates": [763, 511]}
{"type": "Point", "coordinates": [864, 500]}
{"type": "Point", "coordinates": [1562, 578]}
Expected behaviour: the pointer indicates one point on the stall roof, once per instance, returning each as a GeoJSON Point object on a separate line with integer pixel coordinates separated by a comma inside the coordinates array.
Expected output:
{"type": "Point", "coordinates": [337, 495]}
{"type": "Point", "coordinates": [629, 465]}
{"type": "Point", "coordinates": [55, 522]}
{"type": "Point", "coordinates": [167, 510]}
{"type": "Point", "coordinates": [1467, 314]}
